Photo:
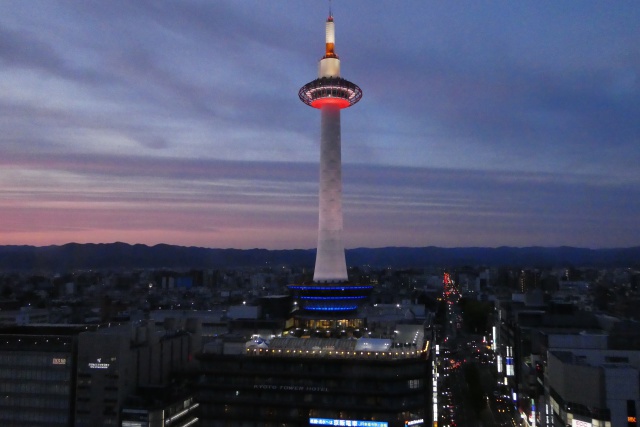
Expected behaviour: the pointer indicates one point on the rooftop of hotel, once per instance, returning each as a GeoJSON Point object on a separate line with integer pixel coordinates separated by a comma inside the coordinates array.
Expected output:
{"type": "Point", "coordinates": [407, 340]}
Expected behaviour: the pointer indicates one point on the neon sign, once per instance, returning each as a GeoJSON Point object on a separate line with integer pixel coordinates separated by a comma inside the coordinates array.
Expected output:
{"type": "Point", "coordinates": [98, 364]}
{"type": "Point", "coordinates": [347, 423]}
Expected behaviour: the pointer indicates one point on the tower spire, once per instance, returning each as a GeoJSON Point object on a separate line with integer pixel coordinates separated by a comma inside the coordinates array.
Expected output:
{"type": "Point", "coordinates": [330, 38]}
{"type": "Point", "coordinates": [330, 293]}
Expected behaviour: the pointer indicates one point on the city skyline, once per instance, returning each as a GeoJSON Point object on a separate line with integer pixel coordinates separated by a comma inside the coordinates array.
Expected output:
{"type": "Point", "coordinates": [158, 122]}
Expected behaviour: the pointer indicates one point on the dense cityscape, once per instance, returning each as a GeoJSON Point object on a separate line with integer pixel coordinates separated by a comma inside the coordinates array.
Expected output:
{"type": "Point", "coordinates": [506, 346]}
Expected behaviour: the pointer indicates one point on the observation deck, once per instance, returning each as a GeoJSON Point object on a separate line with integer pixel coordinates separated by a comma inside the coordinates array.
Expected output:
{"type": "Point", "coordinates": [334, 91]}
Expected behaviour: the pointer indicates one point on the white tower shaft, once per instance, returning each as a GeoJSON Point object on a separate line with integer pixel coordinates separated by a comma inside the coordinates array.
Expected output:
{"type": "Point", "coordinates": [331, 265]}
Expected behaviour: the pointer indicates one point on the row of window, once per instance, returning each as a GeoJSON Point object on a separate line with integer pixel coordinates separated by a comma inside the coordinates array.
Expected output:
{"type": "Point", "coordinates": [313, 367]}
{"type": "Point", "coordinates": [25, 358]}
{"type": "Point", "coordinates": [34, 387]}
{"type": "Point", "coordinates": [27, 418]}
{"type": "Point", "coordinates": [25, 402]}
{"type": "Point", "coordinates": [83, 420]}
{"type": "Point", "coordinates": [315, 384]}
{"type": "Point", "coordinates": [239, 400]}
{"type": "Point", "coordinates": [34, 374]}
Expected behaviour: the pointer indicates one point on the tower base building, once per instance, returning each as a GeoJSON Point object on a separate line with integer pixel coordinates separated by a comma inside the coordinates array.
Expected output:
{"type": "Point", "coordinates": [296, 382]}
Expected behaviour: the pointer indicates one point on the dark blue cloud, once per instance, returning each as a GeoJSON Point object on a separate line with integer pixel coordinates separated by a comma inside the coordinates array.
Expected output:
{"type": "Point", "coordinates": [500, 123]}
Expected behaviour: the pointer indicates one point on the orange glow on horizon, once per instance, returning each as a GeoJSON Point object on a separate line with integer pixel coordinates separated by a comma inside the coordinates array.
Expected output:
{"type": "Point", "coordinates": [232, 237]}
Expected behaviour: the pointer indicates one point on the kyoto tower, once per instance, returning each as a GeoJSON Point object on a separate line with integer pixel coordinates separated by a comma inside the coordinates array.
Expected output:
{"type": "Point", "coordinates": [330, 93]}
{"type": "Point", "coordinates": [330, 292]}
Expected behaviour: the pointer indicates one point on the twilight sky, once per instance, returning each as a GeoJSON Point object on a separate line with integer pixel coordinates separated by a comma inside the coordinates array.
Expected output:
{"type": "Point", "coordinates": [482, 123]}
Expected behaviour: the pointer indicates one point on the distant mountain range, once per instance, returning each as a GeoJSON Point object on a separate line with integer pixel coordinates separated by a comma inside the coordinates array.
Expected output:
{"type": "Point", "coordinates": [124, 256]}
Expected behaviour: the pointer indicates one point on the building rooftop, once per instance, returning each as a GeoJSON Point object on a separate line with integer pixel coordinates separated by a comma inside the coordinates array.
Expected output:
{"type": "Point", "coordinates": [409, 341]}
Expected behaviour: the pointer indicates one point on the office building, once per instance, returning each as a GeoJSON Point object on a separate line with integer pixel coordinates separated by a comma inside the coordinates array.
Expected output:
{"type": "Point", "coordinates": [37, 375]}
{"type": "Point", "coordinates": [114, 362]}
{"type": "Point", "coordinates": [159, 407]}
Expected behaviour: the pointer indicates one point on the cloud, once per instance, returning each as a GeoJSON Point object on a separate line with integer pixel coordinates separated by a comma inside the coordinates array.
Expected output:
{"type": "Point", "coordinates": [480, 124]}
{"type": "Point", "coordinates": [21, 49]}
{"type": "Point", "coordinates": [545, 93]}
{"type": "Point", "coordinates": [382, 205]}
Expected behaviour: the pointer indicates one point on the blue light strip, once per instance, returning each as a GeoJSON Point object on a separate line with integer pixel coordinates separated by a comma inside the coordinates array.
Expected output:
{"type": "Point", "coordinates": [333, 298]}
{"type": "Point", "coordinates": [347, 308]}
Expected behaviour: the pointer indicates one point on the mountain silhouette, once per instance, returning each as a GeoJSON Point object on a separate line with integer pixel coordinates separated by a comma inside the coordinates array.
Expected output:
{"type": "Point", "coordinates": [75, 256]}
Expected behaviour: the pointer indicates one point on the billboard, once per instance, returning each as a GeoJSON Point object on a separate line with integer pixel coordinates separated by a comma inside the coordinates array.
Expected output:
{"type": "Point", "coordinates": [348, 423]}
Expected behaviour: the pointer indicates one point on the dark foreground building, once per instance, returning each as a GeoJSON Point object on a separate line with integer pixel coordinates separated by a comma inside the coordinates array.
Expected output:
{"type": "Point", "coordinates": [81, 375]}
{"type": "Point", "coordinates": [37, 375]}
{"type": "Point", "coordinates": [317, 381]}
{"type": "Point", "coordinates": [159, 407]}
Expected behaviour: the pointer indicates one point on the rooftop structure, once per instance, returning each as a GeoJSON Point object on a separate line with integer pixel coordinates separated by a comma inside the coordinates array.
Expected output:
{"type": "Point", "coordinates": [408, 342]}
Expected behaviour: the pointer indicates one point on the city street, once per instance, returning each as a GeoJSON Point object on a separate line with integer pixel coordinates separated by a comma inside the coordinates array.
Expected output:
{"type": "Point", "coordinates": [466, 357]}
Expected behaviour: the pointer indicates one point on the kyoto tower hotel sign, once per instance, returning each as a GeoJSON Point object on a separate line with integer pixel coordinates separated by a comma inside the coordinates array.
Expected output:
{"type": "Point", "coordinates": [330, 93]}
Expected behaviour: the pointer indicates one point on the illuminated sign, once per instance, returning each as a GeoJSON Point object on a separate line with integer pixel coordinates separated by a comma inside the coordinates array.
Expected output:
{"type": "Point", "coordinates": [414, 422]}
{"type": "Point", "coordinates": [532, 417]}
{"type": "Point", "coordinates": [631, 419]}
{"type": "Point", "coordinates": [510, 371]}
{"type": "Point", "coordinates": [98, 364]}
{"type": "Point", "coordinates": [59, 361]}
{"type": "Point", "coordinates": [348, 423]}
{"type": "Point", "coordinates": [509, 361]}
{"type": "Point", "coordinates": [578, 423]}
{"type": "Point", "coordinates": [493, 343]}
